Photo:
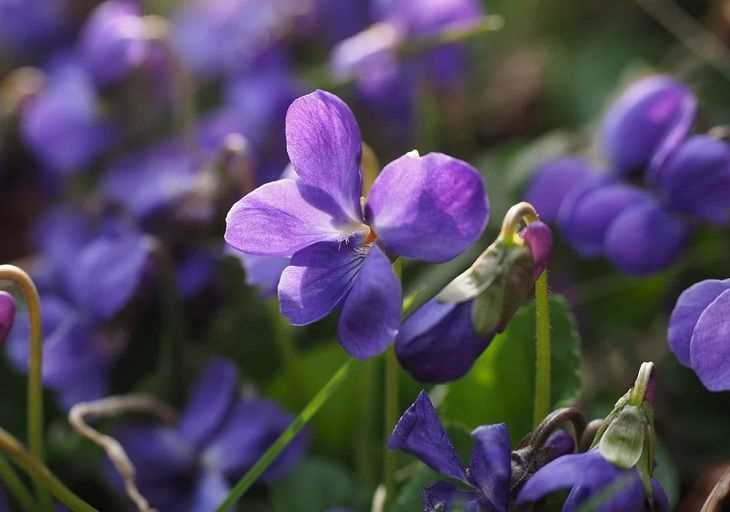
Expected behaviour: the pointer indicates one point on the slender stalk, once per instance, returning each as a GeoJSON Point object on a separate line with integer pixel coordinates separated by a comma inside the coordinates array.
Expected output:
{"type": "Point", "coordinates": [35, 366]}
{"type": "Point", "coordinates": [542, 362]}
{"type": "Point", "coordinates": [40, 473]}
{"type": "Point", "coordinates": [15, 485]}
{"type": "Point", "coordinates": [287, 436]}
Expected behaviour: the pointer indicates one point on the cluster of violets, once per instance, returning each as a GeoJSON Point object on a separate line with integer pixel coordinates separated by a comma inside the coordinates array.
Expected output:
{"type": "Point", "coordinates": [656, 181]}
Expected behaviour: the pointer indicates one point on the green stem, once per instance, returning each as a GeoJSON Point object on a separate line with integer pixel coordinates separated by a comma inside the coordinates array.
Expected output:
{"type": "Point", "coordinates": [285, 438]}
{"type": "Point", "coordinates": [390, 462]}
{"type": "Point", "coordinates": [35, 367]}
{"type": "Point", "coordinates": [542, 362]}
{"type": "Point", "coordinates": [40, 473]}
{"type": "Point", "coordinates": [15, 485]}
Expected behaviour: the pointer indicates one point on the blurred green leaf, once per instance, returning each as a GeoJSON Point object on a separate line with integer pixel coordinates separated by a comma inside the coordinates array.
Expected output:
{"type": "Point", "coordinates": [500, 387]}
{"type": "Point", "coordinates": [411, 495]}
{"type": "Point", "coordinates": [315, 485]}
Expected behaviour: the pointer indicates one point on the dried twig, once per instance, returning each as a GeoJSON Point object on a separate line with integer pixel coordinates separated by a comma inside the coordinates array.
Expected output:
{"type": "Point", "coordinates": [719, 495]}
{"type": "Point", "coordinates": [113, 406]}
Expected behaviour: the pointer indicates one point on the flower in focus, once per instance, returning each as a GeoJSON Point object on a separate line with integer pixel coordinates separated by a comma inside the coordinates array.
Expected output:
{"type": "Point", "coordinates": [429, 208]}
{"type": "Point", "coordinates": [7, 315]}
{"type": "Point", "coordinates": [62, 124]}
{"type": "Point", "coordinates": [698, 332]}
{"type": "Point", "coordinates": [441, 340]}
{"type": "Point", "coordinates": [189, 466]}
{"type": "Point", "coordinates": [640, 229]}
{"type": "Point", "coordinates": [489, 474]}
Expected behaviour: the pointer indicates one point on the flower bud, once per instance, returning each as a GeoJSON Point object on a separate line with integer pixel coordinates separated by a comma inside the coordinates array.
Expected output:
{"type": "Point", "coordinates": [7, 315]}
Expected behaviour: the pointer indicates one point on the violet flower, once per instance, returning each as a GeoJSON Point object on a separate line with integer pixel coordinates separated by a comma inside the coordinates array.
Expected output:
{"type": "Point", "coordinates": [552, 182]}
{"type": "Point", "coordinates": [488, 477]}
{"type": "Point", "coordinates": [63, 124]}
{"type": "Point", "coordinates": [189, 466]}
{"type": "Point", "coordinates": [113, 41]}
{"type": "Point", "coordinates": [7, 315]}
{"type": "Point", "coordinates": [698, 332]}
{"type": "Point", "coordinates": [587, 475]}
{"type": "Point", "coordinates": [439, 342]}
{"type": "Point", "coordinates": [430, 208]}
{"type": "Point", "coordinates": [27, 25]}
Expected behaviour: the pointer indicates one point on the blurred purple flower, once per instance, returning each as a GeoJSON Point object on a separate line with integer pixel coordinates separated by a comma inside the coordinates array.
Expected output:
{"type": "Point", "coordinates": [63, 125]}
{"type": "Point", "coordinates": [337, 247]}
{"type": "Point", "coordinates": [189, 467]}
{"type": "Point", "coordinates": [263, 272]}
{"type": "Point", "coordinates": [27, 25]}
{"type": "Point", "coordinates": [553, 181]}
{"type": "Point", "coordinates": [195, 270]}
{"type": "Point", "coordinates": [113, 41]}
{"type": "Point", "coordinates": [695, 179]}
{"type": "Point", "coordinates": [647, 122]}
{"type": "Point", "coordinates": [698, 332]}
{"type": "Point", "coordinates": [588, 475]}
{"type": "Point", "coordinates": [7, 315]}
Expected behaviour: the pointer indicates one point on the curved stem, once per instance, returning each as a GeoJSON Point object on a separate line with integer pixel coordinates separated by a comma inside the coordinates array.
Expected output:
{"type": "Point", "coordinates": [287, 436]}
{"type": "Point", "coordinates": [15, 485]}
{"type": "Point", "coordinates": [40, 473]}
{"type": "Point", "coordinates": [515, 216]}
{"type": "Point", "coordinates": [555, 420]}
{"type": "Point", "coordinates": [35, 365]}
{"type": "Point", "coordinates": [542, 350]}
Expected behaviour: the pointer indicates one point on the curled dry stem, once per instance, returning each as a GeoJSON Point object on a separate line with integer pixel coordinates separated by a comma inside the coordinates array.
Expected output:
{"type": "Point", "coordinates": [720, 495]}
{"type": "Point", "coordinates": [79, 415]}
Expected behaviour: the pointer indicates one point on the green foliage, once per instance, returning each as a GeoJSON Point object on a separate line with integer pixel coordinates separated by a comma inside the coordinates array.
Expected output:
{"type": "Point", "coordinates": [500, 387]}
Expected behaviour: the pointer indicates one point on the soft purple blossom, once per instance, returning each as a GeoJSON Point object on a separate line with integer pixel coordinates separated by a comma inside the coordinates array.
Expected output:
{"type": "Point", "coordinates": [587, 475]}
{"type": "Point", "coordinates": [190, 466]}
{"type": "Point", "coordinates": [429, 208]}
{"type": "Point", "coordinates": [63, 124]}
{"type": "Point", "coordinates": [113, 41]}
{"type": "Point", "coordinates": [698, 332]}
{"type": "Point", "coordinates": [7, 315]}
{"type": "Point", "coordinates": [553, 181]}
{"type": "Point", "coordinates": [27, 25]}
{"type": "Point", "coordinates": [647, 122]}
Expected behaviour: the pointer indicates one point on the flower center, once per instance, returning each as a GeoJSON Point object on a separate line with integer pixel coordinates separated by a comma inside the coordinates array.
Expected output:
{"type": "Point", "coordinates": [372, 236]}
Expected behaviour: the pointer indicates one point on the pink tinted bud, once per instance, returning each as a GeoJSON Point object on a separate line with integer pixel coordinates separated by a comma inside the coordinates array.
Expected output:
{"type": "Point", "coordinates": [7, 315]}
{"type": "Point", "coordinates": [539, 239]}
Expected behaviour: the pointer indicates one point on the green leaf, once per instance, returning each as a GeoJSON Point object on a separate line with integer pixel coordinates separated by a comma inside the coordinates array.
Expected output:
{"type": "Point", "coordinates": [411, 495]}
{"type": "Point", "coordinates": [315, 484]}
{"type": "Point", "coordinates": [500, 386]}
{"type": "Point", "coordinates": [623, 441]}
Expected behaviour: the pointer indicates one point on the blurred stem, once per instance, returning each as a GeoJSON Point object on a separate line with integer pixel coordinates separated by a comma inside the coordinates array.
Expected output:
{"type": "Point", "coordinates": [542, 362]}
{"type": "Point", "coordinates": [282, 335]}
{"type": "Point", "coordinates": [40, 473]}
{"type": "Point", "coordinates": [366, 462]}
{"type": "Point", "coordinates": [390, 460]}
{"type": "Point", "coordinates": [15, 485]}
{"type": "Point", "coordinates": [35, 367]}
{"type": "Point", "coordinates": [287, 436]}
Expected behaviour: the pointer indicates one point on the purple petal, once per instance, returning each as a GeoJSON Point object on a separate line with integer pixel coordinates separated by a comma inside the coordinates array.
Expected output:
{"type": "Point", "coordinates": [429, 208]}
{"type": "Point", "coordinates": [108, 272]}
{"type": "Point", "coordinates": [564, 473]}
{"type": "Point", "coordinates": [588, 217]}
{"type": "Point", "coordinates": [489, 468]}
{"type": "Point", "coordinates": [645, 239]}
{"type": "Point", "coordinates": [687, 311]}
{"type": "Point", "coordinates": [211, 490]}
{"type": "Point", "coordinates": [263, 272]}
{"type": "Point", "coordinates": [443, 496]}
{"type": "Point", "coordinates": [438, 342]}
{"type": "Point", "coordinates": [318, 279]}
{"type": "Point", "coordinates": [430, 17]}
{"type": "Point", "coordinates": [696, 179]}
{"type": "Point", "coordinates": [709, 348]}
{"type": "Point", "coordinates": [251, 428]}
{"type": "Point", "coordinates": [7, 315]}
{"type": "Point", "coordinates": [195, 271]}
{"type": "Point", "coordinates": [420, 433]}
{"type": "Point", "coordinates": [559, 443]}
{"type": "Point", "coordinates": [539, 238]}
{"type": "Point", "coordinates": [647, 122]}
{"type": "Point", "coordinates": [282, 217]}
{"type": "Point", "coordinates": [157, 453]}
{"type": "Point", "coordinates": [93, 386]}
{"type": "Point", "coordinates": [210, 401]}
{"type": "Point", "coordinates": [371, 312]}
{"type": "Point", "coordinates": [324, 145]}
{"type": "Point", "coordinates": [553, 181]}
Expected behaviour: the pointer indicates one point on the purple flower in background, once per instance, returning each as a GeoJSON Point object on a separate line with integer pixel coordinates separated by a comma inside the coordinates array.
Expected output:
{"type": "Point", "coordinates": [699, 329]}
{"type": "Point", "coordinates": [63, 125]}
{"type": "Point", "coordinates": [430, 208]}
{"type": "Point", "coordinates": [587, 475]}
{"type": "Point", "coordinates": [553, 181]}
{"type": "Point", "coordinates": [7, 315]}
{"type": "Point", "coordinates": [113, 41]}
{"type": "Point", "coordinates": [646, 123]}
{"type": "Point", "coordinates": [695, 179]}
{"type": "Point", "coordinates": [188, 467]}
{"type": "Point", "coordinates": [263, 272]}
{"type": "Point", "coordinates": [27, 25]}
